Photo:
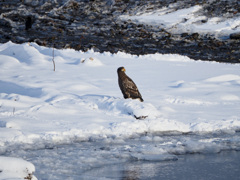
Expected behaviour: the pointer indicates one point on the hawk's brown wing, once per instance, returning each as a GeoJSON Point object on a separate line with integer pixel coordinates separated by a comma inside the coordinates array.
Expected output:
{"type": "Point", "coordinates": [131, 89]}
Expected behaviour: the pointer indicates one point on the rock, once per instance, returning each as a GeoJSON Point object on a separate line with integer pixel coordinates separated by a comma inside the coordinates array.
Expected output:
{"type": "Point", "coordinates": [28, 23]}
{"type": "Point", "coordinates": [32, 2]}
{"type": "Point", "coordinates": [195, 36]}
{"type": "Point", "coordinates": [235, 35]}
{"type": "Point", "coordinates": [184, 34]}
{"type": "Point", "coordinates": [140, 117]}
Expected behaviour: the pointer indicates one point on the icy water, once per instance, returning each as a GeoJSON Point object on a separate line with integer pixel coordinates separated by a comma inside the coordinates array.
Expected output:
{"type": "Point", "coordinates": [171, 156]}
{"type": "Point", "coordinates": [225, 165]}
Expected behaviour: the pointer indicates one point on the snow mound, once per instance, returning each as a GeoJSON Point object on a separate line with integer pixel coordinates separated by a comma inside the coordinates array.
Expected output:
{"type": "Point", "coordinates": [92, 62]}
{"type": "Point", "coordinates": [153, 157]}
{"type": "Point", "coordinates": [117, 106]}
{"type": "Point", "coordinates": [150, 153]}
{"type": "Point", "coordinates": [25, 54]}
{"type": "Point", "coordinates": [225, 78]}
{"type": "Point", "coordinates": [15, 168]}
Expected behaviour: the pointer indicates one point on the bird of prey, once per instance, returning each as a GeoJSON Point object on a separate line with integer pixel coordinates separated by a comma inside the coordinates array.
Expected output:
{"type": "Point", "coordinates": [127, 86]}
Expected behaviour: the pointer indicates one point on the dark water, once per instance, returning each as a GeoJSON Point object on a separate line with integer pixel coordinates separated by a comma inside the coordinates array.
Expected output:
{"type": "Point", "coordinates": [225, 165]}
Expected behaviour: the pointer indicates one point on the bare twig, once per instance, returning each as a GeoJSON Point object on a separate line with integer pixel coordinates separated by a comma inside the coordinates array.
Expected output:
{"type": "Point", "coordinates": [54, 67]}
{"type": "Point", "coordinates": [14, 107]}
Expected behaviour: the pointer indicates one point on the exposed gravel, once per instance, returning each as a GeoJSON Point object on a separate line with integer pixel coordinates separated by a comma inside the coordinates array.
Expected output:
{"type": "Point", "coordinates": [86, 24]}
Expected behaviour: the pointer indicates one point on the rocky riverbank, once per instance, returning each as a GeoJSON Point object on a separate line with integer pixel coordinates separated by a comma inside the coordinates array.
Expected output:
{"type": "Point", "coordinates": [95, 24]}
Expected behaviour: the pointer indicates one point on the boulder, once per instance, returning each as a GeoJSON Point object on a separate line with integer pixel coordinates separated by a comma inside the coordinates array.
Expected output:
{"type": "Point", "coordinates": [235, 35]}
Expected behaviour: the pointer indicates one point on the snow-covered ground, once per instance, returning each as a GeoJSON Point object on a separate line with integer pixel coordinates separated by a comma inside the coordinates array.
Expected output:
{"type": "Point", "coordinates": [81, 102]}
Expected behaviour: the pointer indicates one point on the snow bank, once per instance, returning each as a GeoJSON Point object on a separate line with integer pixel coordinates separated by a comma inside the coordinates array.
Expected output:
{"type": "Point", "coordinates": [117, 106]}
{"type": "Point", "coordinates": [15, 168]}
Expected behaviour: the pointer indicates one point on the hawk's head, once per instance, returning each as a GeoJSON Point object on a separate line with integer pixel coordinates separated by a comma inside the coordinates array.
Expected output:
{"type": "Point", "coordinates": [120, 69]}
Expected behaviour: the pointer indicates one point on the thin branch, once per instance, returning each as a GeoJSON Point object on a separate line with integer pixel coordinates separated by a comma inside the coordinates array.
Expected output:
{"type": "Point", "coordinates": [54, 67]}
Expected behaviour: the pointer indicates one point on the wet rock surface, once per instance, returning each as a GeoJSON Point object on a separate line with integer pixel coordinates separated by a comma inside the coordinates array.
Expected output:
{"type": "Point", "coordinates": [95, 24]}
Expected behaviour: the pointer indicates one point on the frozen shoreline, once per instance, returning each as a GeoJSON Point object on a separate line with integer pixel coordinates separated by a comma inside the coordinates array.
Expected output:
{"type": "Point", "coordinates": [134, 158]}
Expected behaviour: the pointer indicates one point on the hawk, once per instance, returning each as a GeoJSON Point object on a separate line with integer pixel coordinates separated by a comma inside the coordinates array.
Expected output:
{"type": "Point", "coordinates": [127, 86]}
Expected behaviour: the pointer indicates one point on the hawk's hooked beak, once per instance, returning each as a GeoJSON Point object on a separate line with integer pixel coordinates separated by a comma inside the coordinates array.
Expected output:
{"type": "Point", "coordinates": [123, 69]}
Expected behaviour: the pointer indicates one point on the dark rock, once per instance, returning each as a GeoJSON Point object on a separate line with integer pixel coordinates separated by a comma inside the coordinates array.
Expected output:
{"type": "Point", "coordinates": [28, 24]}
{"type": "Point", "coordinates": [204, 21]}
{"type": "Point", "coordinates": [200, 44]}
{"type": "Point", "coordinates": [235, 35]}
{"type": "Point", "coordinates": [195, 36]}
{"type": "Point", "coordinates": [140, 117]}
{"type": "Point", "coordinates": [184, 34]}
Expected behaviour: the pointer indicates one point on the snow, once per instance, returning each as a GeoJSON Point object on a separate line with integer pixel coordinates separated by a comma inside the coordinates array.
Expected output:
{"type": "Point", "coordinates": [187, 20]}
{"type": "Point", "coordinates": [16, 169]}
{"type": "Point", "coordinates": [81, 102]}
